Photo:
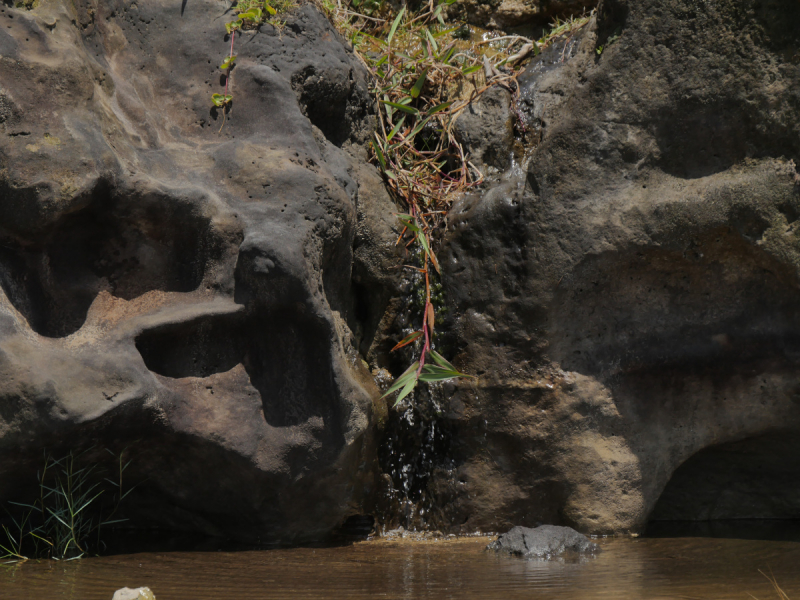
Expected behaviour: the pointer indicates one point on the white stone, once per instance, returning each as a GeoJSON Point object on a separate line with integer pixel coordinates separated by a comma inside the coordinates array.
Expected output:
{"type": "Point", "coordinates": [142, 593]}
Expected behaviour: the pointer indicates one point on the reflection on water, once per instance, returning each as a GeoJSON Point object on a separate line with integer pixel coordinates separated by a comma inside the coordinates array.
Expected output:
{"type": "Point", "coordinates": [784, 530]}
{"type": "Point", "coordinates": [627, 569]}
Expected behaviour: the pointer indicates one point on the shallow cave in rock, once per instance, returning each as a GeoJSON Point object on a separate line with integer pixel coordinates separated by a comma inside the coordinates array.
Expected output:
{"type": "Point", "coordinates": [126, 245]}
{"type": "Point", "coordinates": [278, 352]}
{"type": "Point", "coordinates": [755, 480]}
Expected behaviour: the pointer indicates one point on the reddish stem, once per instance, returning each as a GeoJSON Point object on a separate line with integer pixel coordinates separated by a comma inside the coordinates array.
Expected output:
{"type": "Point", "coordinates": [228, 77]}
{"type": "Point", "coordinates": [427, 345]}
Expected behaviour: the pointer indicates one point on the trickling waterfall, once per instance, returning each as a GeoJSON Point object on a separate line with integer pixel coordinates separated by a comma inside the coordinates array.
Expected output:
{"type": "Point", "coordinates": [416, 447]}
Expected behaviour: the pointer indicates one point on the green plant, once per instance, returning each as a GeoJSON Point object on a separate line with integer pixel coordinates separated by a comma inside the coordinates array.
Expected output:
{"type": "Point", "coordinates": [424, 74]}
{"type": "Point", "coordinates": [249, 14]}
{"type": "Point", "coordinates": [65, 519]}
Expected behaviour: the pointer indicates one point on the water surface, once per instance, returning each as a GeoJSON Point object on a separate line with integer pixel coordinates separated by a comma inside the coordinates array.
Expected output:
{"type": "Point", "coordinates": [691, 567]}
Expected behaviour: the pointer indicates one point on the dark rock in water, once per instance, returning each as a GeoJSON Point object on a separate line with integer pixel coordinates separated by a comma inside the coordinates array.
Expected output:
{"type": "Point", "coordinates": [543, 541]}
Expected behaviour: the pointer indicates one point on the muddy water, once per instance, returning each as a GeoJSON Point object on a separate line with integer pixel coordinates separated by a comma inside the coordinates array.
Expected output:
{"type": "Point", "coordinates": [626, 569]}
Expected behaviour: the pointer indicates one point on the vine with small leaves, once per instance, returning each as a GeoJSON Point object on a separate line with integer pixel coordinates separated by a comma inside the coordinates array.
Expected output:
{"type": "Point", "coordinates": [249, 15]}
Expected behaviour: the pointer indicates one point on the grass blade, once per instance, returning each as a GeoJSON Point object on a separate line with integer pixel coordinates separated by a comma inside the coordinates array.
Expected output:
{"type": "Point", "coordinates": [379, 154]}
{"type": "Point", "coordinates": [409, 109]}
{"type": "Point", "coordinates": [397, 20]}
{"type": "Point", "coordinates": [417, 89]}
{"type": "Point", "coordinates": [395, 129]}
{"type": "Point", "coordinates": [400, 382]}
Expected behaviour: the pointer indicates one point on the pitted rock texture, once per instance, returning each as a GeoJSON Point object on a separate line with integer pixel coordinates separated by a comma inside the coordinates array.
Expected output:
{"type": "Point", "coordinates": [485, 129]}
{"type": "Point", "coordinates": [631, 299]}
{"type": "Point", "coordinates": [544, 541]}
{"type": "Point", "coordinates": [181, 288]}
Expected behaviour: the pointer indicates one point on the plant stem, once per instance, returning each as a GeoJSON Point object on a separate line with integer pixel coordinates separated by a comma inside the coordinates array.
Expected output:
{"type": "Point", "coordinates": [228, 76]}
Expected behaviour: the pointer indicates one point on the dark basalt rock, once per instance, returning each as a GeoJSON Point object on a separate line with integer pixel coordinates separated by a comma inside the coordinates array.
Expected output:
{"type": "Point", "coordinates": [185, 291]}
{"type": "Point", "coordinates": [204, 297]}
{"type": "Point", "coordinates": [631, 298]}
{"type": "Point", "coordinates": [543, 542]}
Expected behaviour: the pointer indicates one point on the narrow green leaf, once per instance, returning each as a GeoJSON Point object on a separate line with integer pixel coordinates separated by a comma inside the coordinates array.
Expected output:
{"type": "Point", "coordinates": [417, 89]}
{"type": "Point", "coordinates": [424, 241]}
{"type": "Point", "coordinates": [409, 222]}
{"type": "Point", "coordinates": [46, 541]}
{"type": "Point", "coordinates": [88, 502]}
{"type": "Point", "coordinates": [470, 70]}
{"type": "Point", "coordinates": [439, 108]}
{"type": "Point", "coordinates": [442, 361]}
{"type": "Point", "coordinates": [448, 53]}
{"type": "Point", "coordinates": [434, 45]}
{"type": "Point", "coordinates": [443, 375]}
{"type": "Point", "coordinates": [437, 373]}
{"type": "Point", "coordinates": [412, 383]}
{"type": "Point", "coordinates": [409, 109]}
{"type": "Point", "coordinates": [445, 32]}
{"type": "Point", "coordinates": [396, 128]}
{"type": "Point", "coordinates": [410, 373]}
{"type": "Point", "coordinates": [57, 517]}
{"type": "Point", "coordinates": [373, 39]}
{"type": "Point", "coordinates": [379, 155]}
{"type": "Point", "coordinates": [395, 24]}
{"type": "Point", "coordinates": [419, 127]}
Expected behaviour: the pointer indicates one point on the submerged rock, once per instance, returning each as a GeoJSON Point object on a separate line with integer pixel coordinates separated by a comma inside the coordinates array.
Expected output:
{"type": "Point", "coordinates": [543, 541]}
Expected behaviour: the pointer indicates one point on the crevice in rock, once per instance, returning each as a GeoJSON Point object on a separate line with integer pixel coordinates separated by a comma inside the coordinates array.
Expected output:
{"type": "Point", "coordinates": [332, 101]}
{"type": "Point", "coordinates": [127, 246]}
{"type": "Point", "coordinates": [278, 351]}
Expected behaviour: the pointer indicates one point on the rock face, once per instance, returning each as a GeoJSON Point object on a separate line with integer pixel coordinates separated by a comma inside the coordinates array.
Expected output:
{"type": "Point", "coordinates": [485, 129]}
{"type": "Point", "coordinates": [185, 289]}
{"type": "Point", "coordinates": [543, 542]}
{"type": "Point", "coordinates": [510, 13]}
{"type": "Point", "coordinates": [201, 290]}
{"type": "Point", "coordinates": [631, 299]}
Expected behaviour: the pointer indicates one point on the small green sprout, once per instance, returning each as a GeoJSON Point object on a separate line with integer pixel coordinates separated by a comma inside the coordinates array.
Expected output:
{"type": "Point", "coordinates": [219, 100]}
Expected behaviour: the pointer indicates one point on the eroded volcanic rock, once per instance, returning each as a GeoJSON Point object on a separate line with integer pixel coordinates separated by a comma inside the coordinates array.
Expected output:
{"type": "Point", "coordinates": [183, 289]}
{"type": "Point", "coordinates": [632, 298]}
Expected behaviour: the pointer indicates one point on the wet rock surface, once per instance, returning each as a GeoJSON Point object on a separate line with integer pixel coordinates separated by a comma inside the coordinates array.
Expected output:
{"type": "Point", "coordinates": [181, 288]}
{"type": "Point", "coordinates": [544, 541]}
